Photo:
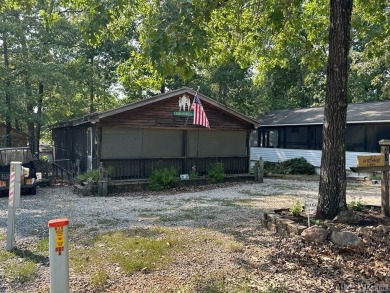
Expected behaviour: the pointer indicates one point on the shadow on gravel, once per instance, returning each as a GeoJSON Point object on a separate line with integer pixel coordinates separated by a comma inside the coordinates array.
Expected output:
{"type": "Point", "coordinates": [29, 255]}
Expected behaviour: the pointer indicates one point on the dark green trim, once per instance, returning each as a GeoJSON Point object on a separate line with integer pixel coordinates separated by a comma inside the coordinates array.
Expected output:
{"type": "Point", "coordinates": [184, 114]}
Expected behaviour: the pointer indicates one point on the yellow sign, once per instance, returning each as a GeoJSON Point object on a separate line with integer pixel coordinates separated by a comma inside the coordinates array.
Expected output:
{"type": "Point", "coordinates": [59, 246]}
{"type": "Point", "coordinates": [371, 161]}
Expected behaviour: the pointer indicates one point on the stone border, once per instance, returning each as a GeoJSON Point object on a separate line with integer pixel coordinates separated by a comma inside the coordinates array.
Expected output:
{"type": "Point", "coordinates": [277, 224]}
{"type": "Point", "coordinates": [288, 228]}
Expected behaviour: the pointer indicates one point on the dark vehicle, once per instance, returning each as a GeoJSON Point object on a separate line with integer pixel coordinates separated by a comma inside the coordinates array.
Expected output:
{"type": "Point", "coordinates": [17, 154]}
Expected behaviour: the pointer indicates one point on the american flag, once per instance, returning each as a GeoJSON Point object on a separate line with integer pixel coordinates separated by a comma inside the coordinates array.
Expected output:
{"type": "Point", "coordinates": [199, 114]}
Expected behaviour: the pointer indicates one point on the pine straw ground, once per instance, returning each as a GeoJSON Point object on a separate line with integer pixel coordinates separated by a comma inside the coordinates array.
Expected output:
{"type": "Point", "coordinates": [216, 246]}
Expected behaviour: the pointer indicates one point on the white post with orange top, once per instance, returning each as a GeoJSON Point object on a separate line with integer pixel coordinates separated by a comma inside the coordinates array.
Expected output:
{"type": "Point", "coordinates": [59, 255]}
{"type": "Point", "coordinates": [13, 202]}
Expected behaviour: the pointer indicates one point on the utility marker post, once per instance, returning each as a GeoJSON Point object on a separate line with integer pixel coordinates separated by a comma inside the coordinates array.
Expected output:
{"type": "Point", "coordinates": [13, 202]}
{"type": "Point", "coordinates": [59, 255]}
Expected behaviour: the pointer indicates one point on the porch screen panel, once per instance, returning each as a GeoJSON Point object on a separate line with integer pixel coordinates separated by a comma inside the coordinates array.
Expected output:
{"type": "Point", "coordinates": [162, 143]}
{"type": "Point", "coordinates": [192, 143]}
{"type": "Point", "coordinates": [121, 143]}
{"type": "Point", "coordinates": [355, 138]}
{"type": "Point", "coordinates": [221, 143]}
{"type": "Point", "coordinates": [297, 137]}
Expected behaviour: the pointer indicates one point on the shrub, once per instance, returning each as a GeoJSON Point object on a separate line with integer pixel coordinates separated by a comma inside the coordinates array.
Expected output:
{"type": "Point", "coordinates": [296, 208]}
{"type": "Point", "coordinates": [296, 166]}
{"type": "Point", "coordinates": [355, 204]}
{"type": "Point", "coordinates": [216, 172]}
{"type": "Point", "coordinates": [43, 165]}
{"type": "Point", "coordinates": [162, 179]}
{"type": "Point", "coordinates": [91, 175]}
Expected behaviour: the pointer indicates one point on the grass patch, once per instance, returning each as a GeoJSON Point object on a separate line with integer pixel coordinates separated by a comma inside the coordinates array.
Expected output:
{"type": "Point", "coordinates": [193, 214]}
{"type": "Point", "coordinates": [99, 278]}
{"type": "Point", "coordinates": [76, 226]}
{"type": "Point", "coordinates": [43, 245]}
{"type": "Point", "coordinates": [251, 193]}
{"type": "Point", "coordinates": [16, 269]}
{"type": "Point", "coordinates": [92, 229]}
{"type": "Point", "coordinates": [108, 222]}
{"type": "Point", "coordinates": [133, 250]}
{"type": "Point", "coordinates": [236, 246]}
{"type": "Point", "coordinates": [357, 186]}
{"type": "Point", "coordinates": [233, 202]}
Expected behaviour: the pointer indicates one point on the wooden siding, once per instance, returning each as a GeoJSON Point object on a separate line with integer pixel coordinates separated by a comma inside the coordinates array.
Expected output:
{"type": "Point", "coordinates": [160, 115]}
{"type": "Point", "coordinates": [312, 156]}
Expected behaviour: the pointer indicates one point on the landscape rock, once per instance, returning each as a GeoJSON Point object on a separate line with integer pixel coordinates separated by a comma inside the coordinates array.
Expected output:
{"type": "Point", "coordinates": [381, 229]}
{"type": "Point", "coordinates": [348, 217]}
{"type": "Point", "coordinates": [315, 234]}
{"type": "Point", "coordinates": [346, 239]}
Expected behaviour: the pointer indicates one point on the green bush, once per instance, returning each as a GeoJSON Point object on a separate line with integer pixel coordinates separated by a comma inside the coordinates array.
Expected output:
{"type": "Point", "coordinates": [162, 179]}
{"type": "Point", "coordinates": [91, 174]}
{"type": "Point", "coordinates": [296, 208]}
{"type": "Point", "coordinates": [356, 204]}
{"type": "Point", "coordinates": [216, 172]}
{"type": "Point", "coordinates": [297, 166]}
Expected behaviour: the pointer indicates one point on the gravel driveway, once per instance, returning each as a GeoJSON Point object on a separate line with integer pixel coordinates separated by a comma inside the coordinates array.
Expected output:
{"type": "Point", "coordinates": [144, 209]}
{"type": "Point", "coordinates": [221, 209]}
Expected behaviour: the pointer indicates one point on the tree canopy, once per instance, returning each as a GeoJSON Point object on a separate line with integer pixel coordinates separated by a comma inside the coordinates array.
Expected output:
{"type": "Point", "coordinates": [66, 58]}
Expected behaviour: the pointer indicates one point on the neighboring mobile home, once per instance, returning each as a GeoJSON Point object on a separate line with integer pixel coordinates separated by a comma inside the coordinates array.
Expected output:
{"type": "Point", "coordinates": [135, 139]}
{"type": "Point", "coordinates": [287, 134]}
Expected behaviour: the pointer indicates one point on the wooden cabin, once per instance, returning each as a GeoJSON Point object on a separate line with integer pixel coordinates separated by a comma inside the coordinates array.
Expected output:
{"type": "Point", "coordinates": [135, 139]}
{"type": "Point", "coordinates": [287, 134]}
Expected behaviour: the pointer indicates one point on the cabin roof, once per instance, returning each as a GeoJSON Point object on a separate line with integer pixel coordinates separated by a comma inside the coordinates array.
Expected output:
{"type": "Point", "coordinates": [95, 117]}
{"type": "Point", "coordinates": [369, 112]}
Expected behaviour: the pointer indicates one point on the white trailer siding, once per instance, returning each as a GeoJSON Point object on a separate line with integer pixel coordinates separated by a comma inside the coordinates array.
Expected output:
{"type": "Point", "coordinates": [312, 156]}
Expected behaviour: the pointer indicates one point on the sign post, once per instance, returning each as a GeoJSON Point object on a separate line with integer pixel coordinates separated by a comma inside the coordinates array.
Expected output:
{"type": "Point", "coordinates": [13, 202]}
{"type": "Point", "coordinates": [310, 208]}
{"type": "Point", "coordinates": [59, 255]}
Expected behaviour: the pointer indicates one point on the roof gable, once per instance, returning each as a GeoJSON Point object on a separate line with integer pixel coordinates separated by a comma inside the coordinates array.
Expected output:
{"type": "Point", "coordinates": [156, 101]}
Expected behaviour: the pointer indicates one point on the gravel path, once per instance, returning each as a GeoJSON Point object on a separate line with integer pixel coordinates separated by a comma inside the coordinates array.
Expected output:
{"type": "Point", "coordinates": [226, 212]}
{"type": "Point", "coordinates": [143, 209]}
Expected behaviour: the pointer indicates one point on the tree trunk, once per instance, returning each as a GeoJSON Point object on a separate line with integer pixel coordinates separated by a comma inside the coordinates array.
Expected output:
{"type": "Point", "coordinates": [332, 187]}
{"type": "Point", "coordinates": [91, 89]}
{"type": "Point", "coordinates": [29, 98]}
{"type": "Point", "coordinates": [8, 124]}
{"type": "Point", "coordinates": [162, 87]}
{"type": "Point", "coordinates": [39, 118]}
{"type": "Point", "coordinates": [30, 115]}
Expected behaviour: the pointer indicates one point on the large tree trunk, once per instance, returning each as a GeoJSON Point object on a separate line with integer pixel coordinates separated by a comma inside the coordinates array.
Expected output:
{"type": "Point", "coordinates": [332, 188]}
